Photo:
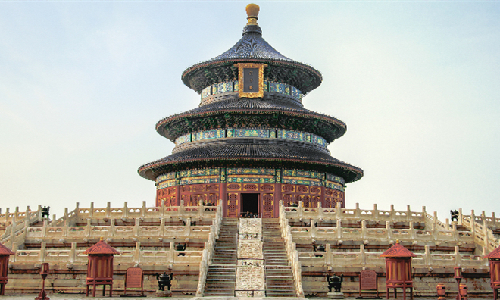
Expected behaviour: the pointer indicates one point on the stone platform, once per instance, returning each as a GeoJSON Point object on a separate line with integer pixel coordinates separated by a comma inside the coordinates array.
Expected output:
{"type": "Point", "coordinates": [81, 296]}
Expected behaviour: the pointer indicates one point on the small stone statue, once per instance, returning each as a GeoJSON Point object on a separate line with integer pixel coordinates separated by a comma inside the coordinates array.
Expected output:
{"type": "Point", "coordinates": [454, 215]}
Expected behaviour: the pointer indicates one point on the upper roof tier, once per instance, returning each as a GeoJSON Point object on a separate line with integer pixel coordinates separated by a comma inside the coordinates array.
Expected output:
{"type": "Point", "coordinates": [252, 48]}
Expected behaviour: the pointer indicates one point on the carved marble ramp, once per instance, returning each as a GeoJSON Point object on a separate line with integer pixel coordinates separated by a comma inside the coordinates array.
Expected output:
{"type": "Point", "coordinates": [250, 270]}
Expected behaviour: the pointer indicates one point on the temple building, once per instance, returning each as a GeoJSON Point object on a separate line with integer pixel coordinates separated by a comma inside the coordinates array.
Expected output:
{"type": "Point", "coordinates": [251, 142]}
{"type": "Point", "coordinates": [249, 204]}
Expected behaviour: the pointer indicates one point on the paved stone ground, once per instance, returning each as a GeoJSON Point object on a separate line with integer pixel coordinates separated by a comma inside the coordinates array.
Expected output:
{"type": "Point", "coordinates": [80, 296]}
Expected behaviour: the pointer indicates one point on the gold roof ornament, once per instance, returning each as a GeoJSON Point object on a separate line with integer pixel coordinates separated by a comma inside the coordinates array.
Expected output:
{"type": "Point", "coordinates": [253, 13]}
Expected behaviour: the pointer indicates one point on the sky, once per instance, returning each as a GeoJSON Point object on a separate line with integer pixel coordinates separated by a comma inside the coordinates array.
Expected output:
{"type": "Point", "coordinates": [83, 83]}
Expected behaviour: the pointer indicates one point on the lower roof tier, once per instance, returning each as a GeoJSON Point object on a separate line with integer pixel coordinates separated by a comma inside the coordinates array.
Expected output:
{"type": "Point", "coordinates": [252, 153]}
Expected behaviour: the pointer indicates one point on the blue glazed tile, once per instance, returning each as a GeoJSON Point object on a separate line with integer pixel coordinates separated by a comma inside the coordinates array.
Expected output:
{"type": "Point", "coordinates": [281, 88]}
{"type": "Point", "coordinates": [273, 87]}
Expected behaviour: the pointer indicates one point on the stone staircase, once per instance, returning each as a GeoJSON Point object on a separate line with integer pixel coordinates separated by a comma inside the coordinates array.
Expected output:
{"type": "Point", "coordinates": [221, 276]}
{"type": "Point", "coordinates": [278, 272]}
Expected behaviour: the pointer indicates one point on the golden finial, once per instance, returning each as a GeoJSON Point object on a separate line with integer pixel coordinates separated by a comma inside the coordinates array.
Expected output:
{"type": "Point", "coordinates": [253, 13]}
{"type": "Point", "coordinates": [397, 241]}
{"type": "Point", "coordinates": [102, 238]}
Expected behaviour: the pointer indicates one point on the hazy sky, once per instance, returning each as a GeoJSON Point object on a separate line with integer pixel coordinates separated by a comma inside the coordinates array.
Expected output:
{"type": "Point", "coordinates": [83, 83]}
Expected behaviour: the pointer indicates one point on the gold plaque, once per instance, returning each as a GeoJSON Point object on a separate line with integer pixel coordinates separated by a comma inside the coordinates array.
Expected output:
{"type": "Point", "coordinates": [251, 80]}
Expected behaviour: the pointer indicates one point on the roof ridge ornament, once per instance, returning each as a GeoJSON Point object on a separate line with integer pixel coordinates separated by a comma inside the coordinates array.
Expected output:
{"type": "Point", "coordinates": [253, 13]}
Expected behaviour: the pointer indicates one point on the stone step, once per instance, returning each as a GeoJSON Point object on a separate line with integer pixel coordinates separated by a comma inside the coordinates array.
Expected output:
{"type": "Point", "coordinates": [280, 293]}
{"type": "Point", "coordinates": [281, 271]}
{"type": "Point", "coordinates": [223, 270]}
{"type": "Point", "coordinates": [276, 286]}
{"type": "Point", "coordinates": [220, 281]}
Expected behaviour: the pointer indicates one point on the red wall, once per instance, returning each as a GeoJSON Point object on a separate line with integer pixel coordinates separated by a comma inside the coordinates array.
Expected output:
{"type": "Point", "coordinates": [270, 194]}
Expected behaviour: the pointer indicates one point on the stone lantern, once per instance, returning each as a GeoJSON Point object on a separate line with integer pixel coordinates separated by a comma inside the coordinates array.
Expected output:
{"type": "Point", "coordinates": [100, 267]}
{"type": "Point", "coordinates": [494, 259]}
{"type": "Point", "coordinates": [398, 269]}
{"type": "Point", "coordinates": [4, 267]}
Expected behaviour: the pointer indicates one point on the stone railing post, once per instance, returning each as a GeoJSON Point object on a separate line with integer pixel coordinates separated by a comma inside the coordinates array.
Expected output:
{"type": "Point", "coordinates": [44, 229]}
{"type": "Point", "coordinates": [300, 209]}
{"type": "Point", "coordinates": [125, 210]}
{"type": "Point", "coordinates": [181, 206]}
{"type": "Point", "coordinates": [42, 252]}
{"type": "Point", "coordinates": [162, 226]}
{"type": "Point", "coordinates": [108, 210]}
{"type": "Point", "coordinates": [408, 213]}
{"type": "Point", "coordinates": [320, 211]}
{"type": "Point", "coordinates": [328, 255]}
{"type": "Point", "coordinates": [427, 255]}
{"type": "Point", "coordinates": [357, 211]}
{"type": "Point", "coordinates": [412, 230]}
{"type": "Point", "coordinates": [143, 210]}
{"type": "Point", "coordinates": [435, 231]}
{"type": "Point", "coordinates": [7, 213]}
{"type": "Point", "coordinates": [388, 229]}
{"type": "Point", "coordinates": [53, 222]}
{"type": "Point", "coordinates": [339, 229]}
{"type": "Point", "coordinates": [392, 213]}
{"type": "Point", "coordinates": [137, 228]}
{"type": "Point", "coordinates": [447, 222]}
{"type": "Point", "coordinates": [473, 225]}
{"type": "Point", "coordinates": [460, 217]}
{"type": "Point", "coordinates": [112, 229]}
{"type": "Point", "coordinates": [455, 231]}
{"type": "Point", "coordinates": [458, 257]}
{"type": "Point", "coordinates": [91, 211]}
{"type": "Point", "coordinates": [434, 218]}
{"type": "Point", "coordinates": [486, 245]}
{"type": "Point", "coordinates": [424, 213]}
{"type": "Point", "coordinates": [313, 229]}
{"type": "Point", "coordinates": [26, 222]}
{"type": "Point", "coordinates": [363, 229]}
{"type": "Point", "coordinates": [137, 253]}
{"type": "Point", "coordinates": [188, 227]}
{"type": "Point", "coordinates": [338, 210]}
{"type": "Point", "coordinates": [65, 229]}
{"type": "Point", "coordinates": [375, 213]}
{"type": "Point", "coordinates": [88, 229]}
{"type": "Point", "coordinates": [65, 213]}
{"type": "Point", "coordinates": [201, 208]}
{"type": "Point", "coordinates": [172, 253]}
{"type": "Point", "coordinates": [362, 254]}
{"type": "Point", "coordinates": [72, 253]}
